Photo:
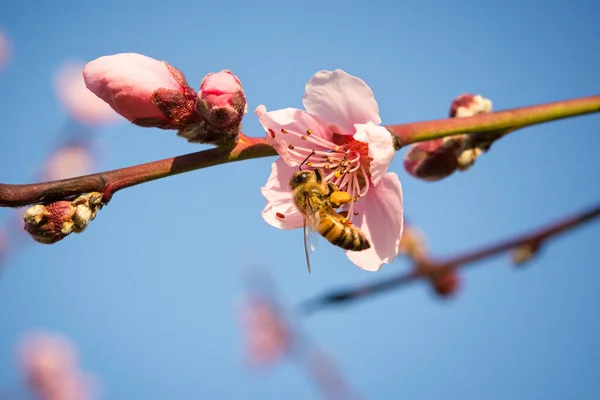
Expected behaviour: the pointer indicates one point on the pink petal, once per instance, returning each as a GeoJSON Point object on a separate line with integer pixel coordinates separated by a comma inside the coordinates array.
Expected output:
{"type": "Point", "coordinates": [341, 100]}
{"type": "Point", "coordinates": [126, 82]}
{"type": "Point", "coordinates": [381, 219]}
{"type": "Point", "coordinates": [292, 120]}
{"type": "Point", "coordinates": [381, 148]}
{"type": "Point", "coordinates": [281, 212]}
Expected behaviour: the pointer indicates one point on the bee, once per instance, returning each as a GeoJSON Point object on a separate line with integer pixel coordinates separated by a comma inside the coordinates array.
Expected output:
{"type": "Point", "coordinates": [318, 202]}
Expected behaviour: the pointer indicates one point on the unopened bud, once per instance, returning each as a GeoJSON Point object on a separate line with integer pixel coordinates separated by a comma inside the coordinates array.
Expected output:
{"type": "Point", "coordinates": [432, 160]}
{"type": "Point", "coordinates": [524, 253]}
{"type": "Point", "coordinates": [445, 284]}
{"type": "Point", "coordinates": [222, 105]}
{"type": "Point", "coordinates": [51, 223]}
{"type": "Point", "coordinates": [413, 243]}
{"type": "Point", "coordinates": [148, 92]}
{"type": "Point", "coordinates": [467, 105]}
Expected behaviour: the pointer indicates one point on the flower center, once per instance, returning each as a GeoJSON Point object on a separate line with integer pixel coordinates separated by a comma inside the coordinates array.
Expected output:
{"type": "Point", "coordinates": [345, 162]}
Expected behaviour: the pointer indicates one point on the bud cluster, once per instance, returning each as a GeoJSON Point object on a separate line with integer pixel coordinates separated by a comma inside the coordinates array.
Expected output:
{"type": "Point", "coordinates": [439, 158]}
{"type": "Point", "coordinates": [53, 222]}
{"type": "Point", "coordinates": [152, 93]}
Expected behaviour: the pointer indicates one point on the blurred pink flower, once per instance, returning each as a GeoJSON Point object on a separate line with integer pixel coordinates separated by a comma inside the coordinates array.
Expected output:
{"type": "Point", "coordinates": [4, 50]}
{"type": "Point", "coordinates": [69, 161]}
{"type": "Point", "coordinates": [3, 245]}
{"type": "Point", "coordinates": [80, 103]}
{"type": "Point", "coordinates": [146, 91]}
{"type": "Point", "coordinates": [341, 125]}
{"type": "Point", "coordinates": [268, 337]}
{"type": "Point", "coordinates": [50, 365]}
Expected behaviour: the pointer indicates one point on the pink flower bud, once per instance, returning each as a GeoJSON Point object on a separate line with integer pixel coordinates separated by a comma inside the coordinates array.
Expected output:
{"type": "Point", "coordinates": [146, 91]}
{"type": "Point", "coordinates": [222, 105]}
{"type": "Point", "coordinates": [432, 160]}
{"type": "Point", "coordinates": [222, 100]}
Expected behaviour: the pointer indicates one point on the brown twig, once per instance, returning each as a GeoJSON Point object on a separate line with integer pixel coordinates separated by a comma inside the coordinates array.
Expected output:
{"type": "Point", "coordinates": [247, 148]}
{"type": "Point", "coordinates": [429, 267]}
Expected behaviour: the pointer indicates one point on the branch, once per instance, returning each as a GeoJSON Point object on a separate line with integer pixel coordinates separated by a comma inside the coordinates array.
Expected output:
{"type": "Point", "coordinates": [248, 148]}
{"type": "Point", "coordinates": [495, 122]}
{"type": "Point", "coordinates": [428, 268]}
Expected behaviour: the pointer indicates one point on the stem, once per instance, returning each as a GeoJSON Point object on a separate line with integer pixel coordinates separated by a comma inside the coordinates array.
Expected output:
{"type": "Point", "coordinates": [501, 121]}
{"type": "Point", "coordinates": [110, 182]}
{"type": "Point", "coordinates": [249, 148]}
{"type": "Point", "coordinates": [427, 268]}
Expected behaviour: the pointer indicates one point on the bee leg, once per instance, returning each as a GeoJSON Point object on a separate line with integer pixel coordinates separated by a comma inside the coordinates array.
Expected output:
{"type": "Point", "coordinates": [332, 188]}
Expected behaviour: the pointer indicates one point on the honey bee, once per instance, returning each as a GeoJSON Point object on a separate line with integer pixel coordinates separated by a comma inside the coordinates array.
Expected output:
{"type": "Point", "coordinates": [318, 202]}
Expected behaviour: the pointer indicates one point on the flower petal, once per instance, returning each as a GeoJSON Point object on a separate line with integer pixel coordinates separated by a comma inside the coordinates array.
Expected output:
{"type": "Point", "coordinates": [280, 211]}
{"type": "Point", "coordinates": [381, 148]}
{"type": "Point", "coordinates": [341, 100]}
{"type": "Point", "coordinates": [380, 217]}
{"type": "Point", "coordinates": [293, 121]}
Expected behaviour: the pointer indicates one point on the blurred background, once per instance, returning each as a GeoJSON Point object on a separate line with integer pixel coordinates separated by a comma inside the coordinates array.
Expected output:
{"type": "Point", "coordinates": [151, 294]}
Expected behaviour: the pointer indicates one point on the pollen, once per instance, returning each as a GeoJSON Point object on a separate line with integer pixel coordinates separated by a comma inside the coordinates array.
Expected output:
{"type": "Point", "coordinates": [339, 173]}
{"type": "Point", "coordinates": [326, 166]}
{"type": "Point", "coordinates": [283, 131]}
{"type": "Point", "coordinates": [272, 133]}
{"type": "Point", "coordinates": [309, 164]}
{"type": "Point", "coordinates": [291, 146]}
{"type": "Point", "coordinates": [280, 215]}
{"type": "Point", "coordinates": [344, 221]}
{"type": "Point", "coordinates": [308, 132]}
{"type": "Point", "coordinates": [304, 137]}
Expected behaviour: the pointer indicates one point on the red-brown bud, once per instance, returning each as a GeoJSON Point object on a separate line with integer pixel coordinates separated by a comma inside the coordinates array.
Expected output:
{"type": "Point", "coordinates": [51, 223]}
{"type": "Point", "coordinates": [446, 283]}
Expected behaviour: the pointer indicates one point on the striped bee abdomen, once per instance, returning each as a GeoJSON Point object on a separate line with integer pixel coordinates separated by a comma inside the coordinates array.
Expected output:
{"type": "Point", "coordinates": [338, 232]}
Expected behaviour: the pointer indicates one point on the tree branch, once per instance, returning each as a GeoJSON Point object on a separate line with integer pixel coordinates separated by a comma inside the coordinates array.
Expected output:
{"type": "Point", "coordinates": [427, 268]}
{"type": "Point", "coordinates": [247, 148]}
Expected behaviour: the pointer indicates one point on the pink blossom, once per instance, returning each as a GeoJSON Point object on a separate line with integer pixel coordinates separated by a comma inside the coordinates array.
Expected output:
{"type": "Point", "coordinates": [4, 50]}
{"type": "Point", "coordinates": [78, 100]}
{"type": "Point", "coordinates": [69, 161]}
{"type": "Point", "coordinates": [267, 334]}
{"type": "Point", "coordinates": [341, 125]}
{"type": "Point", "coordinates": [51, 367]}
{"type": "Point", "coordinates": [146, 91]}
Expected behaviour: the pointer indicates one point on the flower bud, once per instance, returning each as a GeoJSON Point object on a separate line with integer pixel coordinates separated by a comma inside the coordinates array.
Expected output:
{"type": "Point", "coordinates": [222, 105]}
{"type": "Point", "coordinates": [51, 223]}
{"type": "Point", "coordinates": [467, 105]}
{"type": "Point", "coordinates": [446, 283]}
{"type": "Point", "coordinates": [413, 243]}
{"type": "Point", "coordinates": [148, 92]}
{"type": "Point", "coordinates": [432, 160]}
{"type": "Point", "coordinates": [524, 253]}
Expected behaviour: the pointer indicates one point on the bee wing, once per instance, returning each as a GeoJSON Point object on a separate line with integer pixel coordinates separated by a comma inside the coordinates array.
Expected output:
{"type": "Point", "coordinates": [311, 221]}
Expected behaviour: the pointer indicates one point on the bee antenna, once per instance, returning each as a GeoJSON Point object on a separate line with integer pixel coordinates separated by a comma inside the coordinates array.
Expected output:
{"type": "Point", "coordinates": [312, 153]}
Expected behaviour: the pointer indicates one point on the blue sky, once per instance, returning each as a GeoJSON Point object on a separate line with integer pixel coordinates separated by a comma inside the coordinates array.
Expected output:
{"type": "Point", "coordinates": [149, 293]}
